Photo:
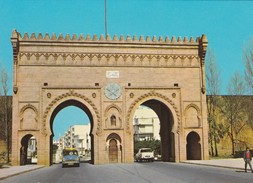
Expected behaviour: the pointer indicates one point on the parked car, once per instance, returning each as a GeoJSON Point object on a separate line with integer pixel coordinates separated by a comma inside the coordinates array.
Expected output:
{"type": "Point", "coordinates": [70, 157]}
{"type": "Point", "coordinates": [145, 154]}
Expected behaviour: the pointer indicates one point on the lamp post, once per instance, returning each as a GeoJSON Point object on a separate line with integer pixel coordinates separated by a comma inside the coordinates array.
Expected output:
{"type": "Point", "coordinates": [105, 19]}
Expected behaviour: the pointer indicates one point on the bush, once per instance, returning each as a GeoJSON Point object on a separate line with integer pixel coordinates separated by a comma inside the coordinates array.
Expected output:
{"type": "Point", "coordinates": [153, 144]}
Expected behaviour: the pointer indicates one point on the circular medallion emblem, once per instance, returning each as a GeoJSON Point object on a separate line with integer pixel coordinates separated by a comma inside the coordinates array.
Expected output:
{"type": "Point", "coordinates": [112, 91]}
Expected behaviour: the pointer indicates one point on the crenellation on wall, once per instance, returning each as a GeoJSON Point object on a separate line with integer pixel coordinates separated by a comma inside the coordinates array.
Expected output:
{"type": "Point", "coordinates": [107, 38]}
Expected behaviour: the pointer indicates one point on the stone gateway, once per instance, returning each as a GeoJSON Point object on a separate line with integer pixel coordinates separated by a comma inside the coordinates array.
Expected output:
{"type": "Point", "coordinates": [109, 78]}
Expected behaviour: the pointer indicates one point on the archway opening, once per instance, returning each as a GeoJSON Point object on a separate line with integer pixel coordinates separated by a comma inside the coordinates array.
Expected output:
{"type": "Point", "coordinates": [113, 142]}
{"type": "Point", "coordinates": [155, 130]}
{"type": "Point", "coordinates": [71, 126]}
{"type": "Point", "coordinates": [28, 150]}
{"type": "Point", "coordinates": [113, 151]}
{"type": "Point", "coordinates": [193, 146]}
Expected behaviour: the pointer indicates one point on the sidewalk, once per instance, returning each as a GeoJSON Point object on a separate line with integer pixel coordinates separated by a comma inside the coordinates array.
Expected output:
{"type": "Point", "coordinates": [235, 163]}
{"type": "Point", "coordinates": [8, 171]}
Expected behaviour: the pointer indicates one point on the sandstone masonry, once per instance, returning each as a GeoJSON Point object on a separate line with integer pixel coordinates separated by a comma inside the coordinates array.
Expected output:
{"type": "Point", "coordinates": [108, 78]}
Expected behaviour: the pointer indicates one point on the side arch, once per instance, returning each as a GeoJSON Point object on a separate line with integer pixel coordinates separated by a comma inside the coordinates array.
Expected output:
{"type": "Point", "coordinates": [193, 146]}
{"type": "Point", "coordinates": [25, 150]}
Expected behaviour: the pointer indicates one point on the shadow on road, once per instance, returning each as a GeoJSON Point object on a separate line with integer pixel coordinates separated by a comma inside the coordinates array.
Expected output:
{"type": "Point", "coordinates": [241, 171]}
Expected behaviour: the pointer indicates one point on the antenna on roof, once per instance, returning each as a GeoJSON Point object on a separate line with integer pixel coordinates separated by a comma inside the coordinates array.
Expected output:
{"type": "Point", "coordinates": [105, 19]}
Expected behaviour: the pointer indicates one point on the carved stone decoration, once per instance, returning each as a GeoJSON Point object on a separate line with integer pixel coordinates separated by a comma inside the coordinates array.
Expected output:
{"type": "Point", "coordinates": [29, 118]}
{"type": "Point", "coordinates": [203, 89]}
{"type": "Point", "coordinates": [94, 95]}
{"type": "Point", "coordinates": [71, 93]}
{"type": "Point", "coordinates": [131, 95]}
{"type": "Point", "coordinates": [152, 94]}
{"type": "Point", "coordinates": [192, 116]}
{"type": "Point", "coordinates": [113, 119]}
{"type": "Point", "coordinates": [69, 58]}
{"type": "Point", "coordinates": [15, 89]}
{"type": "Point", "coordinates": [174, 95]}
{"type": "Point", "coordinates": [48, 95]}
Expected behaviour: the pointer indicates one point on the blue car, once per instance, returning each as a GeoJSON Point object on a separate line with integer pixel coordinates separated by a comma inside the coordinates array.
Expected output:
{"type": "Point", "coordinates": [70, 157]}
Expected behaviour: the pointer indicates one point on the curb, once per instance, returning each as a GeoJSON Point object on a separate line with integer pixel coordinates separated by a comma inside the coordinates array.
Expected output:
{"type": "Point", "coordinates": [213, 165]}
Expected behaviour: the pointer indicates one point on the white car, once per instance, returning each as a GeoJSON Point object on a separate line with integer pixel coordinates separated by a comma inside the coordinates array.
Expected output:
{"type": "Point", "coordinates": [145, 154]}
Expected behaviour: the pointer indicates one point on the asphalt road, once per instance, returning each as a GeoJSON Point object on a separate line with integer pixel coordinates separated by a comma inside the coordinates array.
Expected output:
{"type": "Point", "coordinates": [156, 172]}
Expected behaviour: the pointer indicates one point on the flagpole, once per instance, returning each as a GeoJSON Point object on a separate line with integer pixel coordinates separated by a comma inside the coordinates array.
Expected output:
{"type": "Point", "coordinates": [105, 19]}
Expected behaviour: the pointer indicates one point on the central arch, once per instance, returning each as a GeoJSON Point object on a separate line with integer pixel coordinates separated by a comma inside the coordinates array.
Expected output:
{"type": "Point", "coordinates": [167, 114]}
{"type": "Point", "coordinates": [166, 128]}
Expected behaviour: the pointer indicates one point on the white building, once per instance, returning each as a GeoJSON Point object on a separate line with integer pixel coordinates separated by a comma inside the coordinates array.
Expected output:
{"type": "Point", "coordinates": [57, 157]}
{"type": "Point", "coordinates": [146, 124]}
{"type": "Point", "coordinates": [78, 137]}
{"type": "Point", "coordinates": [32, 150]}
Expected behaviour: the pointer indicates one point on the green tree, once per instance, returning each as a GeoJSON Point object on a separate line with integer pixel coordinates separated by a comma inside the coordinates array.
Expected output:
{"type": "Point", "coordinates": [234, 109]}
{"type": "Point", "coordinates": [248, 71]}
{"type": "Point", "coordinates": [248, 61]}
{"type": "Point", "coordinates": [5, 111]}
{"type": "Point", "coordinates": [213, 89]}
{"type": "Point", "coordinates": [152, 143]}
{"type": "Point", "coordinates": [55, 147]}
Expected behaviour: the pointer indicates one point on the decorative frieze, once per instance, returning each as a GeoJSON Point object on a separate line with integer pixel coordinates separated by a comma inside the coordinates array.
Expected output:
{"type": "Point", "coordinates": [114, 53]}
{"type": "Point", "coordinates": [147, 60]}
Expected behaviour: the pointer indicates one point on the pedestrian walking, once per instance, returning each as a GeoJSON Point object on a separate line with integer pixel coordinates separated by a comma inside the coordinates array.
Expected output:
{"type": "Point", "coordinates": [247, 159]}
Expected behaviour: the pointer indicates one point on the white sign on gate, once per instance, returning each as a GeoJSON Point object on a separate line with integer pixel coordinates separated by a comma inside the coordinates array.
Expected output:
{"type": "Point", "coordinates": [112, 74]}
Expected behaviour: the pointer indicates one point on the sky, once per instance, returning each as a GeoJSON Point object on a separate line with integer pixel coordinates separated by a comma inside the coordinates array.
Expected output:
{"type": "Point", "coordinates": [228, 25]}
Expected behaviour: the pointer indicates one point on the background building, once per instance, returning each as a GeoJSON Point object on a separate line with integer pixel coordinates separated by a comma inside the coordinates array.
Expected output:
{"type": "Point", "coordinates": [77, 136]}
{"type": "Point", "coordinates": [146, 124]}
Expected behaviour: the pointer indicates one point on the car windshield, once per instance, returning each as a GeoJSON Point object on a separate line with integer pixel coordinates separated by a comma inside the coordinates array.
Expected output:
{"type": "Point", "coordinates": [70, 152]}
{"type": "Point", "coordinates": [146, 150]}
